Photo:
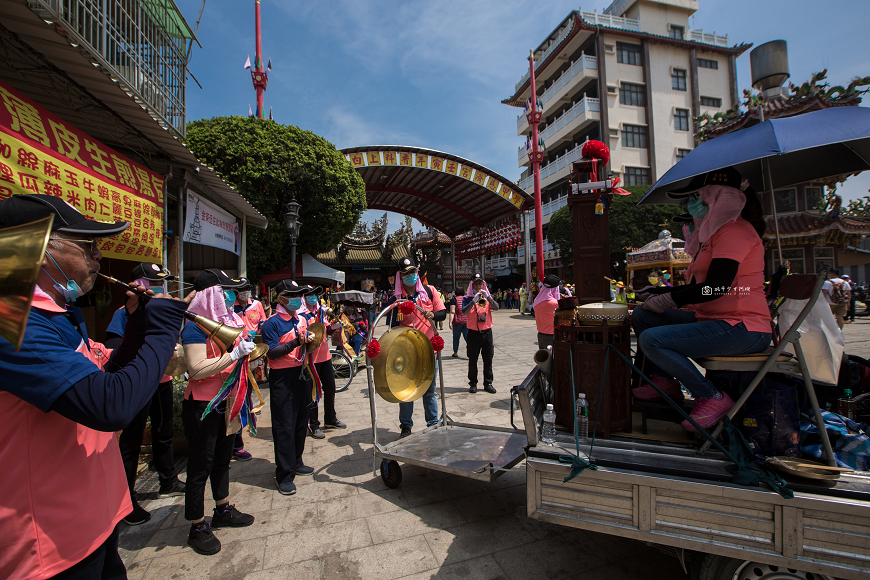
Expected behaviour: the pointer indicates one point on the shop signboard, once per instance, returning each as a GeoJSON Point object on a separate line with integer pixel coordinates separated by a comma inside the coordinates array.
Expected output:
{"type": "Point", "coordinates": [209, 225]}
{"type": "Point", "coordinates": [42, 153]}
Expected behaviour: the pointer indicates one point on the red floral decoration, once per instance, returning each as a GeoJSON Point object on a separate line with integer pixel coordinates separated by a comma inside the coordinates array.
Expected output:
{"type": "Point", "coordinates": [596, 150]}
{"type": "Point", "coordinates": [437, 343]}
{"type": "Point", "coordinates": [406, 307]}
{"type": "Point", "coordinates": [374, 348]}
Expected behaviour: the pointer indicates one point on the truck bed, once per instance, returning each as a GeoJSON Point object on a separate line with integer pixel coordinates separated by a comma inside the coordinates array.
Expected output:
{"type": "Point", "coordinates": [665, 494]}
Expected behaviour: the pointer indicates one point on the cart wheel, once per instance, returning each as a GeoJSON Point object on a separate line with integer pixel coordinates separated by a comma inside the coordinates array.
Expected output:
{"type": "Point", "coordinates": [392, 475]}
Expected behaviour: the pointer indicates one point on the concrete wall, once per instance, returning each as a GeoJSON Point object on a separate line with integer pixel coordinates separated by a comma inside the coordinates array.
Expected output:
{"type": "Point", "coordinates": [665, 99]}
{"type": "Point", "coordinates": [714, 83]}
{"type": "Point", "coordinates": [655, 17]}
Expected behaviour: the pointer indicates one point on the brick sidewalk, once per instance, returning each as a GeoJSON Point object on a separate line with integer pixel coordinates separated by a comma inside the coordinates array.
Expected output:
{"type": "Point", "coordinates": [344, 523]}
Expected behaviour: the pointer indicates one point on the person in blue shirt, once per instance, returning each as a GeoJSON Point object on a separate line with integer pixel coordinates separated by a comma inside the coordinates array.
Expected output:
{"type": "Point", "coordinates": [289, 383]}
{"type": "Point", "coordinates": [159, 409]}
{"type": "Point", "coordinates": [63, 396]}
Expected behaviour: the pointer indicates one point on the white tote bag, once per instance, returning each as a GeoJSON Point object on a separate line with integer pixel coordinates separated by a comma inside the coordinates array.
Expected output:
{"type": "Point", "coordinates": [821, 339]}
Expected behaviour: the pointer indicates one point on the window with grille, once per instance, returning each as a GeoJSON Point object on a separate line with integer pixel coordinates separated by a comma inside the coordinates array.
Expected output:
{"type": "Point", "coordinates": [630, 94]}
{"type": "Point", "coordinates": [681, 119]}
{"type": "Point", "coordinates": [636, 176]}
{"type": "Point", "coordinates": [682, 153]}
{"type": "Point", "coordinates": [627, 53]}
{"type": "Point", "coordinates": [814, 197]}
{"type": "Point", "coordinates": [708, 63]}
{"type": "Point", "coordinates": [786, 200]}
{"type": "Point", "coordinates": [711, 102]}
{"type": "Point", "coordinates": [634, 136]}
{"type": "Point", "coordinates": [676, 32]}
{"type": "Point", "coordinates": [678, 79]}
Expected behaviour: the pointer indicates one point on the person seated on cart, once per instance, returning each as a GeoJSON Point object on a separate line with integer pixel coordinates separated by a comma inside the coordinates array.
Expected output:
{"type": "Point", "coordinates": [722, 311]}
{"type": "Point", "coordinates": [410, 287]}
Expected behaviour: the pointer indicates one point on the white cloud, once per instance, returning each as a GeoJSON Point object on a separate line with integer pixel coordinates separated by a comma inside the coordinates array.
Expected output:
{"type": "Point", "coordinates": [345, 128]}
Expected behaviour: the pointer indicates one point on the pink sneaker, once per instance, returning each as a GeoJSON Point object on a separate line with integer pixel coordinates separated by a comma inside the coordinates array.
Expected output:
{"type": "Point", "coordinates": [671, 388]}
{"type": "Point", "coordinates": [707, 412]}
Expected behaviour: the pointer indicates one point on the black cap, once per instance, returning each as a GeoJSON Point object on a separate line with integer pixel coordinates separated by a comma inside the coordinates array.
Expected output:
{"type": "Point", "coordinates": [552, 281]}
{"type": "Point", "coordinates": [247, 283]}
{"type": "Point", "coordinates": [725, 176]}
{"type": "Point", "coordinates": [317, 291]}
{"type": "Point", "coordinates": [476, 277]}
{"type": "Point", "coordinates": [406, 265]}
{"type": "Point", "coordinates": [291, 287]}
{"type": "Point", "coordinates": [684, 218]}
{"type": "Point", "coordinates": [153, 272]}
{"type": "Point", "coordinates": [27, 208]}
{"type": "Point", "coordinates": [215, 277]}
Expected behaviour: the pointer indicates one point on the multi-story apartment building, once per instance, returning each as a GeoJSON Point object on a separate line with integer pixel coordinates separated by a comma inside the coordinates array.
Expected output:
{"type": "Point", "coordinates": [632, 77]}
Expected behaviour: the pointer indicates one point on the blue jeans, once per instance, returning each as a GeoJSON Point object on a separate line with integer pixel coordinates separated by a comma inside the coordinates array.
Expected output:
{"type": "Point", "coordinates": [356, 343]}
{"type": "Point", "coordinates": [430, 406]}
{"type": "Point", "coordinates": [459, 329]}
{"type": "Point", "coordinates": [670, 339]}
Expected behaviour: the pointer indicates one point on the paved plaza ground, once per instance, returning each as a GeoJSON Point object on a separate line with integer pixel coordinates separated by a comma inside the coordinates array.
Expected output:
{"type": "Point", "coordinates": [344, 523]}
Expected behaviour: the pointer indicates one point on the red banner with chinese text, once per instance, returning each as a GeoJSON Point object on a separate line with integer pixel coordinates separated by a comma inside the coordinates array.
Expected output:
{"type": "Point", "coordinates": [42, 153]}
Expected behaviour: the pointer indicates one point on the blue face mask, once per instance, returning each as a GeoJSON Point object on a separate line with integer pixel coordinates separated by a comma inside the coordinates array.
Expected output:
{"type": "Point", "coordinates": [410, 279]}
{"type": "Point", "coordinates": [311, 299]}
{"type": "Point", "coordinates": [71, 291]}
{"type": "Point", "coordinates": [229, 298]}
{"type": "Point", "coordinates": [294, 303]}
{"type": "Point", "coordinates": [696, 207]}
{"type": "Point", "coordinates": [158, 290]}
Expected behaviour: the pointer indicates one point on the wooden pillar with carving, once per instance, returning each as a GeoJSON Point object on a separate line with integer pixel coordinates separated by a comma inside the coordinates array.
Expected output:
{"type": "Point", "coordinates": [591, 240]}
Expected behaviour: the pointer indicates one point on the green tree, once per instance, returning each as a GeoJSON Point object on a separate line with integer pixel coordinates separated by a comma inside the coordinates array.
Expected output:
{"type": "Point", "coordinates": [269, 164]}
{"type": "Point", "coordinates": [631, 225]}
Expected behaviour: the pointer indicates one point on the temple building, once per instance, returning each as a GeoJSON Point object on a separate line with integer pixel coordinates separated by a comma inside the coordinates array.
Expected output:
{"type": "Point", "coordinates": [815, 231]}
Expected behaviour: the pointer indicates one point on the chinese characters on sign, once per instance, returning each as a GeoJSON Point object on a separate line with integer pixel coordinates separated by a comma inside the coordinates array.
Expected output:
{"type": "Point", "coordinates": [361, 159]}
{"type": "Point", "coordinates": [209, 225]}
{"type": "Point", "coordinates": [41, 153]}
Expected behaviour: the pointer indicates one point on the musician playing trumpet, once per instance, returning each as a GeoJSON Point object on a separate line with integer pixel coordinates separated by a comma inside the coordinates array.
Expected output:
{"type": "Point", "coordinates": [478, 306]}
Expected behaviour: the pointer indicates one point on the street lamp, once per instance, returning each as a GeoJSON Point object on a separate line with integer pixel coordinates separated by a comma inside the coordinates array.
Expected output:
{"type": "Point", "coordinates": [292, 223]}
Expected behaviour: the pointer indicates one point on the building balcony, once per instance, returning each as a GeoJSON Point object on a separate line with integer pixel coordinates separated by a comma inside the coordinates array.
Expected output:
{"type": "Point", "coordinates": [582, 69]}
{"type": "Point", "coordinates": [701, 36]}
{"type": "Point", "coordinates": [555, 170]}
{"type": "Point", "coordinates": [550, 252]}
{"type": "Point", "coordinates": [611, 21]}
{"type": "Point", "coordinates": [140, 45]}
{"type": "Point", "coordinates": [501, 263]}
{"type": "Point", "coordinates": [584, 112]}
{"type": "Point", "coordinates": [544, 56]}
{"type": "Point", "coordinates": [547, 209]}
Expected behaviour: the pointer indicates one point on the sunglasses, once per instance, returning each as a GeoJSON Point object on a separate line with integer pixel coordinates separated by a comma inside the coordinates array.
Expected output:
{"type": "Point", "coordinates": [91, 244]}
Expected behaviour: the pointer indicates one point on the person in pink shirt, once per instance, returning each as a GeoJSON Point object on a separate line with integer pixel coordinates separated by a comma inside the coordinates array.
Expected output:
{"type": "Point", "coordinates": [545, 305]}
{"type": "Point", "coordinates": [210, 446]}
{"type": "Point", "coordinates": [479, 340]}
{"type": "Point", "coordinates": [323, 366]}
{"type": "Point", "coordinates": [409, 286]}
{"type": "Point", "coordinates": [253, 316]}
{"type": "Point", "coordinates": [62, 398]}
{"type": "Point", "coordinates": [722, 311]}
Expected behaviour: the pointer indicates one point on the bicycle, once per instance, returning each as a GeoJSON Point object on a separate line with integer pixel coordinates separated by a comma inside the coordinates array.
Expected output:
{"type": "Point", "coordinates": [343, 369]}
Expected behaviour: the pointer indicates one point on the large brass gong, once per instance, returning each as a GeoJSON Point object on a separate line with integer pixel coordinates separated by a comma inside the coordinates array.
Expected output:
{"type": "Point", "coordinates": [405, 367]}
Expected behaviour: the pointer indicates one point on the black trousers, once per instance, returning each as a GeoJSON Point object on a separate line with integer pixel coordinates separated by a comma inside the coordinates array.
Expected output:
{"type": "Point", "coordinates": [104, 563]}
{"type": "Point", "coordinates": [210, 451]}
{"type": "Point", "coordinates": [289, 401]}
{"type": "Point", "coordinates": [327, 383]}
{"type": "Point", "coordinates": [480, 342]}
{"type": "Point", "coordinates": [162, 431]}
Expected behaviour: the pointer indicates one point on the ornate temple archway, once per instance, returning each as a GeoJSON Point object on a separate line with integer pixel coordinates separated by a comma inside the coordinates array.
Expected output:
{"type": "Point", "coordinates": [445, 191]}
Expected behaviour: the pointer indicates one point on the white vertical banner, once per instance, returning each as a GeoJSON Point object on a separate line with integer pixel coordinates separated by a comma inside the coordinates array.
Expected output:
{"type": "Point", "coordinates": [209, 225]}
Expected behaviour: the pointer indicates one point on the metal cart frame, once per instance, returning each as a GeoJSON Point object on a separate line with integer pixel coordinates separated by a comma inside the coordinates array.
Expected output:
{"type": "Point", "coordinates": [475, 451]}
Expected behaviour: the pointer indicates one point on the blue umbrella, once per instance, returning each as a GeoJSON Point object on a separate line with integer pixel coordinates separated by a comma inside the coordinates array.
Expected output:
{"type": "Point", "coordinates": [796, 149]}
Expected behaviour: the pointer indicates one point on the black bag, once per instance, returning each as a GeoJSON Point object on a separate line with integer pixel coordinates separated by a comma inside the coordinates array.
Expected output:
{"type": "Point", "coordinates": [770, 419]}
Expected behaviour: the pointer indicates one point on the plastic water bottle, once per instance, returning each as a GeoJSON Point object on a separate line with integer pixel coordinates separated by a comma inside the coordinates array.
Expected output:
{"type": "Point", "coordinates": [548, 430]}
{"type": "Point", "coordinates": [846, 405]}
{"type": "Point", "coordinates": [582, 418]}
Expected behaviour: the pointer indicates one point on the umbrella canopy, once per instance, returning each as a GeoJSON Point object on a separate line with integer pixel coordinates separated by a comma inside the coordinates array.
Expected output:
{"type": "Point", "coordinates": [797, 149]}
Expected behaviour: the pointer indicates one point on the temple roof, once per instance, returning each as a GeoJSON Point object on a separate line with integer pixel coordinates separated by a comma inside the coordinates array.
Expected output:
{"type": "Point", "coordinates": [809, 227]}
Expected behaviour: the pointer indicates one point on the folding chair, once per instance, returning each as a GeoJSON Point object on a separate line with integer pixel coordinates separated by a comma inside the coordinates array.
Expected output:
{"type": "Point", "coordinates": [797, 287]}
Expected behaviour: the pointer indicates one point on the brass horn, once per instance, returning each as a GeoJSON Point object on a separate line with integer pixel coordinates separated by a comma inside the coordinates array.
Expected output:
{"type": "Point", "coordinates": [222, 335]}
{"type": "Point", "coordinates": [544, 358]}
{"type": "Point", "coordinates": [405, 367]}
{"type": "Point", "coordinates": [22, 249]}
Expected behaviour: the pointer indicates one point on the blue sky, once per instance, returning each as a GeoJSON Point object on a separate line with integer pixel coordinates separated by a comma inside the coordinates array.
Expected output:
{"type": "Point", "coordinates": [432, 74]}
